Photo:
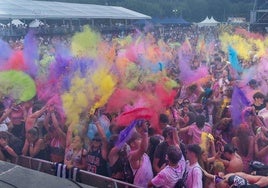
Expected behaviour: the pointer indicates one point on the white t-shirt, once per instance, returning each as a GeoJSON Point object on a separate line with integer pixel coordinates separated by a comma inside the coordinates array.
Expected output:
{"type": "Point", "coordinates": [194, 177]}
{"type": "Point", "coordinates": [145, 173]}
{"type": "Point", "coordinates": [169, 176]}
{"type": "Point", "coordinates": [264, 114]}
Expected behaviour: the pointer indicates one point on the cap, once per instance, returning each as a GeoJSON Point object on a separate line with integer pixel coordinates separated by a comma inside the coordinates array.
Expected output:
{"type": "Point", "coordinates": [236, 181]}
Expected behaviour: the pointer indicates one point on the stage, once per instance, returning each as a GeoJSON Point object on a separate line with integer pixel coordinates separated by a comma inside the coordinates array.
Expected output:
{"type": "Point", "coordinates": [19, 177]}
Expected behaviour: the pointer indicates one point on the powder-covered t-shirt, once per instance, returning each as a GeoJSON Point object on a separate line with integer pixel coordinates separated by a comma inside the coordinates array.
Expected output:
{"type": "Point", "coordinates": [169, 176]}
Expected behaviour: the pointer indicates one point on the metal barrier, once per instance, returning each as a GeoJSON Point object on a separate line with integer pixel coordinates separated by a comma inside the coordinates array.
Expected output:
{"type": "Point", "coordinates": [85, 177]}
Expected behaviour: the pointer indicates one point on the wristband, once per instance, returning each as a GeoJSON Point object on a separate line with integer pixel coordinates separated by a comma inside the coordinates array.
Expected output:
{"type": "Point", "coordinates": [6, 146]}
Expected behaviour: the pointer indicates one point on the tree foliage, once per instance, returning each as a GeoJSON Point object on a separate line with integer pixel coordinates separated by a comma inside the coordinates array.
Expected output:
{"type": "Point", "coordinates": [191, 10]}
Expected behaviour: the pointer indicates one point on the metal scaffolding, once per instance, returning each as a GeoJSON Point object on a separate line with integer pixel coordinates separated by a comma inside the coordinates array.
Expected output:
{"type": "Point", "coordinates": [259, 16]}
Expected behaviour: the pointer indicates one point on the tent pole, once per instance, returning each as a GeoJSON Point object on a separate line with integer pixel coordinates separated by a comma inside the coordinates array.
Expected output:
{"type": "Point", "coordinates": [10, 27]}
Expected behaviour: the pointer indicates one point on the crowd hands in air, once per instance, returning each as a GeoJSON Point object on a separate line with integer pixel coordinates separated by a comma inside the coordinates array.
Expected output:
{"type": "Point", "coordinates": [158, 160]}
{"type": "Point", "coordinates": [196, 138]}
{"type": "Point", "coordinates": [213, 155]}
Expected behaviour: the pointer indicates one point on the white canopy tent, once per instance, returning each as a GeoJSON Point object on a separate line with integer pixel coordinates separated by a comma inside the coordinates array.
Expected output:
{"type": "Point", "coordinates": [208, 22]}
{"type": "Point", "coordinates": [29, 9]}
{"type": "Point", "coordinates": [35, 23]}
{"type": "Point", "coordinates": [17, 22]}
{"type": "Point", "coordinates": [212, 20]}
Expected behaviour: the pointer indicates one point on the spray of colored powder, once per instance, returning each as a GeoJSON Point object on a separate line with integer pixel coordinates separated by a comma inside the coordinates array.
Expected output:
{"type": "Point", "coordinates": [104, 84]}
{"type": "Point", "coordinates": [44, 64]}
{"type": "Point", "coordinates": [133, 74]}
{"type": "Point", "coordinates": [206, 138]}
{"type": "Point", "coordinates": [30, 52]}
{"type": "Point", "coordinates": [5, 52]}
{"type": "Point", "coordinates": [244, 46]}
{"type": "Point", "coordinates": [17, 85]}
{"type": "Point", "coordinates": [119, 99]}
{"type": "Point", "coordinates": [85, 44]}
{"type": "Point", "coordinates": [16, 62]}
{"type": "Point", "coordinates": [76, 101]}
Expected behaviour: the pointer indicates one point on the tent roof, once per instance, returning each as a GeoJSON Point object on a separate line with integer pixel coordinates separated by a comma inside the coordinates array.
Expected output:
{"type": "Point", "coordinates": [28, 9]}
{"type": "Point", "coordinates": [179, 20]}
{"type": "Point", "coordinates": [17, 22]}
{"type": "Point", "coordinates": [164, 21]}
{"type": "Point", "coordinates": [212, 20]}
{"type": "Point", "coordinates": [35, 23]}
{"type": "Point", "coordinates": [208, 22]}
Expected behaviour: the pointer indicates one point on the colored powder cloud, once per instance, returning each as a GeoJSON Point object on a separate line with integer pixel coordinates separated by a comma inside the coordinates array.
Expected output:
{"type": "Point", "coordinates": [85, 43]}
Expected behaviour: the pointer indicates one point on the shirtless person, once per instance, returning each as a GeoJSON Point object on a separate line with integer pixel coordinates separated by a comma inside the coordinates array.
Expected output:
{"type": "Point", "coordinates": [238, 179]}
{"type": "Point", "coordinates": [234, 162]}
{"type": "Point", "coordinates": [261, 181]}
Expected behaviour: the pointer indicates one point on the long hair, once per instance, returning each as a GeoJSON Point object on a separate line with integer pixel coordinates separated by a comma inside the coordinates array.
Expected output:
{"type": "Point", "coordinates": [34, 132]}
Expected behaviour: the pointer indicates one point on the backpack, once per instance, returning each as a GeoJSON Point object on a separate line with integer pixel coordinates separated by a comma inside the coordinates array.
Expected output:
{"type": "Point", "coordinates": [181, 183]}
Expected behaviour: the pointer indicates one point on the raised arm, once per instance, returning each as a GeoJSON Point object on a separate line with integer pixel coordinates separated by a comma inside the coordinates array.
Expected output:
{"type": "Point", "coordinates": [31, 119]}
{"type": "Point", "coordinates": [137, 154]}
{"type": "Point", "coordinates": [38, 113]}
{"type": "Point", "coordinates": [57, 125]}
{"type": "Point", "coordinates": [104, 147]}
{"type": "Point", "coordinates": [69, 135]}
{"type": "Point", "coordinates": [5, 114]}
{"type": "Point", "coordinates": [46, 121]}
{"type": "Point", "coordinates": [259, 152]}
{"type": "Point", "coordinates": [175, 136]}
{"type": "Point", "coordinates": [113, 155]}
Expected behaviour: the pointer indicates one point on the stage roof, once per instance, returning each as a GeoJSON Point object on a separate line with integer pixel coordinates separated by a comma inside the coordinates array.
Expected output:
{"type": "Point", "coordinates": [28, 9]}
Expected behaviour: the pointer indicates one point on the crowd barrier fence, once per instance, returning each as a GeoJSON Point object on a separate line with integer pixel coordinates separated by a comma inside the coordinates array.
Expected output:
{"type": "Point", "coordinates": [85, 177]}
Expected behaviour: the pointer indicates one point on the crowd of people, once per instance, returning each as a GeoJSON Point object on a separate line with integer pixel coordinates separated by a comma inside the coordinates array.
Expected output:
{"type": "Point", "coordinates": [58, 28]}
{"type": "Point", "coordinates": [196, 142]}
